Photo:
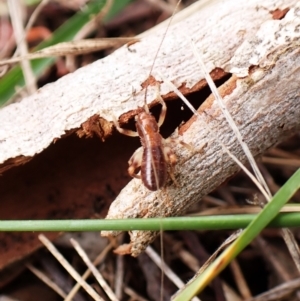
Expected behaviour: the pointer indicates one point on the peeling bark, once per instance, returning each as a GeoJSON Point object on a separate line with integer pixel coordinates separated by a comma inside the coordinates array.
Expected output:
{"type": "Point", "coordinates": [105, 87]}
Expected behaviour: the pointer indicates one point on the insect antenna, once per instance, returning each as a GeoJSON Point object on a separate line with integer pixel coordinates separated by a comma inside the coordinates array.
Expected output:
{"type": "Point", "coordinates": [157, 52]}
{"type": "Point", "coordinates": [152, 159]}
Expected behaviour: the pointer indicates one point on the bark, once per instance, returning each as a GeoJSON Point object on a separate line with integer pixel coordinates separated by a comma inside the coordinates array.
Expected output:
{"type": "Point", "coordinates": [256, 41]}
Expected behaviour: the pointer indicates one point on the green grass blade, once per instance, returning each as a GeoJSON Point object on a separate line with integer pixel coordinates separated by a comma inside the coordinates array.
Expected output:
{"type": "Point", "coordinates": [14, 78]}
{"type": "Point", "coordinates": [215, 222]}
{"type": "Point", "coordinates": [268, 213]}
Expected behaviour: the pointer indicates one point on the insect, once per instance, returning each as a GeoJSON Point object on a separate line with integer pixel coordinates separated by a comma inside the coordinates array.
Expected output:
{"type": "Point", "coordinates": [155, 157]}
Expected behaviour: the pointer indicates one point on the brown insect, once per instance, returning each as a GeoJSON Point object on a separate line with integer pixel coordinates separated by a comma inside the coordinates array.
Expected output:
{"type": "Point", "coordinates": [155, 157]}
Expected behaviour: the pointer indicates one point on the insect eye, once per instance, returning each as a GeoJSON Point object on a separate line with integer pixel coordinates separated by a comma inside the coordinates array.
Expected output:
{"type": "Point", "coordinates": [155, 204]}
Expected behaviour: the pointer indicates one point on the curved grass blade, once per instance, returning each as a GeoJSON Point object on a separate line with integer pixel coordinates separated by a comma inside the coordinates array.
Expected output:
{"type": "Point", "coordinates": [268, 213]}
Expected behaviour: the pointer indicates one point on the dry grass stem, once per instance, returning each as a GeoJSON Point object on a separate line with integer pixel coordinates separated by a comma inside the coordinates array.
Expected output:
{"type": "Point", "coordinates": [130, 292]}
{"type": "Point", "coordinates": [167, 271]}
{"type": "Point", "coordinates": [33, 18]}
{"type": "Point", "coordinates": [87, 273]}
{"type": "Point", "coordinates": [93, 269]}
{"type": "Point", "coordinates": [230, 293]}
{"type": "Point", "coordinates": [43, 277]}
{"type": "Point", "coordinates": [233, 126]}
{"type": "Point", "coordinates": [240, 279]}
{"type": "Point", "coordinates": [19, 32]}
{"type": "Point", "coordinates": [119, 278]}
{"type": "Point", "coordinates": [188, 259]}
{"type": "Point", "coordinates": [279, 292]}
{"type": "Point", "coordinates": [295, 163]}
{"type": "Point", "coordinates": [51, 248]}
{"type": "Point", "coordinates": [269, 255]}
{"type": "Point", "coordinates": [71, 48]}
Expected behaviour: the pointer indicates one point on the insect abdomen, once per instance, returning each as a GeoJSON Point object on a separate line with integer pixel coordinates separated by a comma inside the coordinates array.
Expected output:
{"type": "Point", "coordinates": [153, 168]}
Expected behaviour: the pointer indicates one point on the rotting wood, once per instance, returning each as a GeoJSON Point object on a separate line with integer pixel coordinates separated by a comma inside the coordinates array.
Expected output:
{"type": "Point", "coordinates": [95, 125]}
{"type": "Point", "coordinates": [264, 103]}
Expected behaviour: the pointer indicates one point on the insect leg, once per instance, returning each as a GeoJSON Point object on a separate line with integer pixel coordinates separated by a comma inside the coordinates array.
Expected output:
{"type": "Point", "coordinates": [171, 159]}
{"type": "Point", "coordinates": [135, 162]}
{"type": "Point", "coordinates": [124, 131]}
{"type": "Point", "coordinates": [186, 145]}
{"type": "Point", "coordinates": [163, 111]}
